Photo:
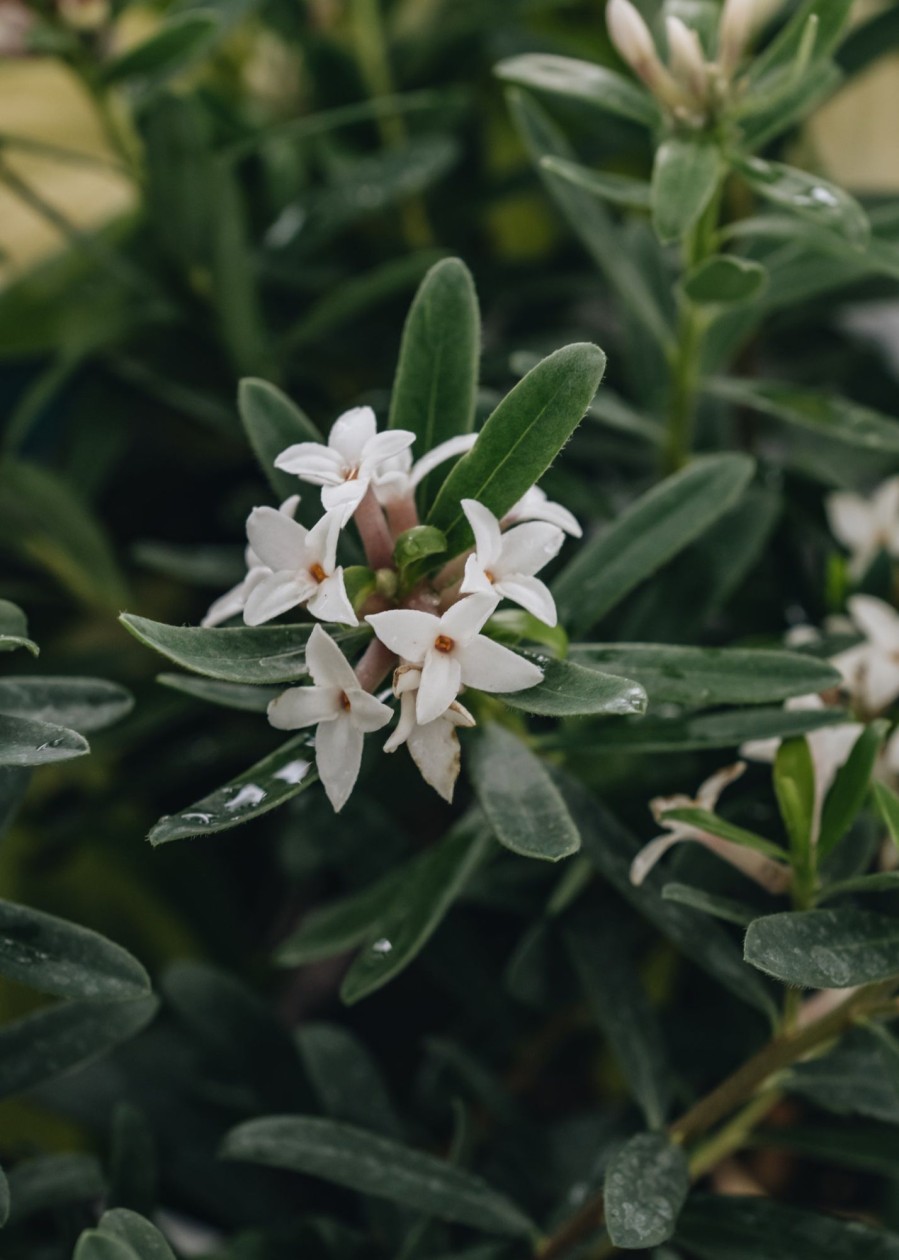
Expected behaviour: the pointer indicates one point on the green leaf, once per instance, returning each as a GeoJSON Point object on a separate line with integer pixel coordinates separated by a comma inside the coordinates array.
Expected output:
{"type": "Point", "coordinates": [4, 1199]}
{"type": "Point", "coordinates": [794, 786]}
{"type": "Point", "coordinates": [646, 535]}
{"type": "Point", "coordinates": [725, 280]}
{"type": "Point", "coordinates": [520, 439]}
{"type": "Point", "coordinates": [770, 114]}
{"type": "Point", "coordinates": [92, 1245]}
{"type": "Point", "coordinates": [266, 785]}
{"type": "Point", "coordinates": [515, 626]}
{"type": "Point", "coordinates": [54, 956]}
{"type": "Point", "coordinates": [258, 654]}
{"type": "Point", "coordinates": [724, 1228]}
{"type": "Point", "coordinates": [830, 18]}
{"type": "Point", "coordinates": [272, 423]}
{"type": "Point", "coordinates": [568, 689]}
{"type": "Point", "coordinates": [14, 629]}
{"type": "Point", "coordinates": [620, 190]}
{"type": "Point", "coordinates": [421, 542]}
{"type": "Point", "coordinates": [416, 909]}
{"type": "Point", "coordinates": [825, 949]}
{"type": "Point", "coordinates": [346, 1078]}
{"type": "Point", "coordinates": [849, 1080]}
{"type": "Point", "coordinates": [646, 1187]}
{"type": "Point", "coordinates": [84, 704]}
{"type": "Point", "coordinates": [376, 1166]}
{"type": "Point", "coordinates": [888, 804]}
{"type": "Point", "coordinates": [827, 415]}
{"type": "Point", "coordinates": [175, 44]}
{"type": "Point", "coordinates": [705, 820]}
{"type": "Point", "coordinates": [703, 677]}
{"type": "Point", "coordinates": [880, 881]}
{"type": "Point", "coordinates": [523, 805]}
{"type": "Point", "coordinates": [807, 196]}
{"type": "Point", "coordinates": [50, 1042]}
{"type": "Point", "coordinates": [143, 1238]}
{"type": "Point", "coordinates": [850, 787]}
{"type": "Point", "coordinates": [726, 908]}
{"type": "Point", "coordinates": [581, 81]}
{"type": "Point", "coordinates": [132, 1160]}
{"type": "Point", "coordinates": [243, 696]}
{"type": "Point", "coordinates": [54, 1181]}
{"type": "Point", "coordinates": [685, 178]}
{"type": "Point", "coordinates": [869, 40]}
{"type": "Point", "coordinates": [435, 386]}
{"type": "Point", "coordinates": [27, 743]}
{"type": "Point", "coordinates": [344, 924]}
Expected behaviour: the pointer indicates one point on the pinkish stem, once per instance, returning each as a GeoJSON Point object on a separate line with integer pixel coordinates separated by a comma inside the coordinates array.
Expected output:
{"type": "Point", "coordinates": [402, 514]}
{"type": "Point", "coordinates": [374, 665]}
{"type": "Point", "coordinates": [373, 529]}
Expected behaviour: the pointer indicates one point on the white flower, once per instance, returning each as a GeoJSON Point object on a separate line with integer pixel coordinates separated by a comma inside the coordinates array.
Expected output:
{"type": "Point", "coordinates": [303, 568]}
{"type": "Point", "coordinates": [352, 459]}
{"type": "Point", "coordinates": [233, 601]}
{"type": "Point", "coordinates": [535, 506]}
{"type": "Point", "coordinates": [452, 653]}
{"type": "Point", "coordinates": [686, 57]}
{"type": "Point", "coordinates": [505, 564]}
{"type": "Point", "coordinates": [632, 37]}
{"type": "Point", "coordinates": [866, 526]}
{"type": "Point", "coordinates": [342, 713]}
{"type": "Point", "coordinates": [764, 870]}
{"type": "Point", "coordinates": [871, 670]}
{"type": "Point", "coordinates": [433, 747]}
{"type": "Point", "coordinates": [398, 477]}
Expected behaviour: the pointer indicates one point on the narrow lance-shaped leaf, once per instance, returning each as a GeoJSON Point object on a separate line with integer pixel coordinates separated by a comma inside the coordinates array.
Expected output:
{"type": "Point", "coordinates": [829, 18]}
{"type": "Point", "coordinates": [520, 439]}
{"type": "Point", "coordinates": [85, 704]}
{"type": "Point", "coordinates": [376, 1166]}
{"type": "Point", "coordinates": [794, 786]}
{"type": "Point", "coordinates": [344, 924]}
{"type": "Point", "coordinates": [620, 190]}
{"type": "Point", "coordinates": [582, 81]}
{"type": "Point", "coordinates": [175, 43]}
{"type": "Point", "coordinates": [825, 949]}
{"type": "Point", "coordinates": [272, 423]}
{"type": "Point", "coordinates": [888, 804]}
{"type": "Point", "coordinates": [726, 908]}
{"type": "Point", "coordinates": [807, 196]}
{"type": "Point", "coordinates": [4, 1199]}
{"type": "Point", "coordinates": [27, 743]}
{"type": "Point", "coordinates": [850, 787]}
{"type": "Point", "coordinates": [243, 696]}
{"type": "Point", "coordinates": [705, 820]}
{"type": "Point", "coordinates": [646, 1187]}
{"type": "Point", "coordinates": [685, 177]}
{"type": "Point", "coordinates": [568, 690]}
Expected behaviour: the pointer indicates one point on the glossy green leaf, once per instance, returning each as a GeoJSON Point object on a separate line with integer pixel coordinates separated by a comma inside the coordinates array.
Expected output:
{"type": "Point", "coordinates": [265, 786]}
{"type": "Point", "coordinates": [165, 52]}
{"type": "Point", "coordinates": [54, 956]}
{"type": "Point", "coordinates": [136, 1232]}
{"type": "Point", "coordinates": [416, 909]}
{"type": "Point", "coordinates": [705, 820]}
{"type": "Point", "coordinates": [794, 786]}
{"type": "Point", "coordinates": [436, 379]}
{"type": "Point", "coordinates": [702, 677]}
{"type": "Point", "coordinates": [849, 1080]}
{"type": "Point", "coordinates": [645, 536]}
{"type": "Point", "coordinates": [807, 196]}
{"type": "Point", "coordinates": [241, 696]}
{"type": "Point", "coordinates": [888, 804]}
{"type": "Point", "coordinates": [825, 949]}
{"type": "Point", "coordinates": [92, 1245]}
{"type": "Point", "coordinates": [27, 743]}
{"type": "Point", "coordinates": [520, 439]}
{"type": "Point", "coordinates": [84, 704]}
{"type": "Point", "coordinates": [50, 1042]}
{"type": "Point", "coordinates": [523, 805]}
{"type": "Point", "coordinates": [725, 281]}
{"type": "Point", "coordinates": [272, 423]}
{"type": "Point", "coordinates": [341, 926]}
{"type": "Point", "coordinates": [772, 113]}
{"type": "Point", "coordinates": [694, 732]}
{"type": "Point", "coordinates": [415, 545]}
{"type": "Point", "coordinates": [581, 81]}
{"type": "Point", "coordinates": [830, 18]}
{"type": "Point", "coordinates": [645, 1188]}
{"type": "Point", "coordinates": [620, 190]}
{"type": "Point", "coordinates": [569, 689]}
{"type": "Point", "coordinates": [685, 178]}
{"type": "Point", "coordinates": [54, 1181]}
{"type": "Point", "coordinates": [346, 1078]}
{"type": "Point", "coordinates": [374, 1165]}
{"type": "Point", "coordinates": [14, 629]}
{"type": "Point", "coordinates": [726, 908]}
{"type": "Point", "coordinates": [850, 787]}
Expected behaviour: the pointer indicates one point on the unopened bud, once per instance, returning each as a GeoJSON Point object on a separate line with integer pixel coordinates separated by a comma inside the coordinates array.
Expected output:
{"type": "Point", "coordinates": [686, 57]}
{"type": "Point", "coordinates": [633, 40]}
{"type": "Point", "coordinates": [738, 18]}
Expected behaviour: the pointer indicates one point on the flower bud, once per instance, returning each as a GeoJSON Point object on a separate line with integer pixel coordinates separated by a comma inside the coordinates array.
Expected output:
{"type": "Point", "coordinates": [633, 40]}
{"type": "Point", "coordinates": [734, 31]}
{"type": "Point", "coordinates": [686, 58]}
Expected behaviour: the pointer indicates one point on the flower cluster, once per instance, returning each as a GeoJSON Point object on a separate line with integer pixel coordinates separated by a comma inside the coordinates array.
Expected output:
{"type": "Point", "coordinates": [429, 635]}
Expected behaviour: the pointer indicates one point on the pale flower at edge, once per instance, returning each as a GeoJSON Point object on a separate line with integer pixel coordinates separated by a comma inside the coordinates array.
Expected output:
{"type": "Point", "coordinates": [303, 566]}
{"type": "Point", "coordinates": [433, 747]}
{"type": "Point", "coordinates": [340, 710]}
{"type": "Point", "coordinates": [505, 564]}
{"type": "Point", "coordinates": [871, 669]}
{"type": "Point", "coordinates": [233, 601]}
{"type": "Point", "coordinates": [398, 477]}
{"type": "Point", "coordinates": [452, 653]}
{"type": "Point", "coordinates": [535, 505]}
{"type": "Point", "coordinates": [866, 526]}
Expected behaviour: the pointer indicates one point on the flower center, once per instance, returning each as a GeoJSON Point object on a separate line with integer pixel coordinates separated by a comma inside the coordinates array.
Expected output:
{"type": "Point", "coordinates": [317, 572]}
{"type": "Point", "coordinates": [344, 701]}
{"type": "Point", "coordinates": [443, 643]}
{"type": "Point", "coordinates": [351, 474]}
{"type": "Point", "coordinates": [489, 576]}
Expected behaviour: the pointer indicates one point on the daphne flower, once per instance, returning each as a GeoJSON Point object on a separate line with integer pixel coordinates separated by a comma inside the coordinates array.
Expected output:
{"type": "Point", "coordinates": [764, 870]}
{"type": "Point", "coordinates": [505, 564]}
{"type": "Point", "coordinates": [534, 505]}
{"type": "Point", "coordinates": [871, 670]}
{"type": "Point", "coordinates": [233, 601]}
{"type": "Point", "coordinates": [686, 56]}
{"type": "Point", "coordinates": [303, 568]}
{"type": "Point", "coordinates": [452, 653]}
{"type": "Point", "coordinates": [352, 458]}
{"type": "Point", "coordinates": [433, 747]}
{"type": "Point", "coordinates": [398, 477]}
{"type": "Point", "coordinates": [339, 709]}
{"type": "Point", "coordinates": [866, 526]}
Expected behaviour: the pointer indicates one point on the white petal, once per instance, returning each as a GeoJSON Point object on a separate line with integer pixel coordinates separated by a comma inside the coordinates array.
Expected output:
{"type": "Point", "coordinates": [313, 462]}
{"type": "Point", "coordinates": [321, 541]}
{"type": "Point", "coordinates": [650, 854]}
{"type": "Point", "coordinates": [760, 749]}
{"type": "Point", "coordinates": [535, 506]}
{"type": "Point", "coordinates": [488, 540]}
{"type": "Point", "coordinates": [350, 432]}
{"type": "Point", "coordinates": [714, 785]}
{"type": "Point", "coordinates": [289, 506]}
{"type": "Point", "coordinates": [304, 706]}
{"type": "Point", "coordinates": [440, 681]}
{"type": "Point", "coordinates": [466, 617]}
{"type": "Point", "coordinates": [435, 750]}
{"type": "Point", "coordinates": [406, 631]}
{"type": "Point", "coordinates": [331, 602]}
{"type": "Point", "coordinates": [851, 520]}
{"type": "Point", "coordinates": [527, 548]}
{"type": "Point", "coordinates": [475, 580]}
{"type": "Point", "coordinates": [366, 713]}
{"type": "Point", "coordinates": [885, 502]}
{"type": "Point", "coordinates": [275, 594]}
{"type": "Point", "coordinates": [405, 725]}
{"type": "Point", "coordinates": [385, 446]}
{"type": "Point", "coordinates": [327, 664]}
{"type": "Point", "coordinates": [877, 621]}
{"type": "Point", "coordinates": [227, 605]}
{"type": "Point", "coordinates": [879, 682]}
{"type": "Point", "coordinates": [393, 480]}
{"type": "Point", "coordinates": [440, 454]}
{"type": "Point", "coordinates": [279, 542]}
{"type": "Point", "coordinates": [530, 594]}
{"type": "Point", "coordinates": [344, 497]}
{"type": "Point", "coordinates": [489, 666]}
{"type": "Point", "coordinates": [405, 679]}
{"type": "Point", "coordinates": [338, 756]}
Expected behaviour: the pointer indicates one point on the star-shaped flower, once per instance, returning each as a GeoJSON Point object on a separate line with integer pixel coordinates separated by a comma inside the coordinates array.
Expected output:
{"type": "Point", "coordinates": [505, 564]}
{"type": "Point", "coordinates": [233, 601]}
{"type": "Point", "coordinates": [433, 747]}
{"type": "Point", "coordinates": [866, 525]}
{"type": "Point", "coordinates": [303, 568]}
{"type": "Point", "coordinates": [398, 477]}
{"type": "Point", "coordinates": [871, 670]}
{"type": "Point", "coordinates": [764, 870]}
{"type": "Point", "coordinates": [452, 653]}
{"type": "Point", "coordinates": [352, 459]}
{"type": "Point", "coordinates": [534, 505]}
{"type": "Point", "coordinates": [341, 712]}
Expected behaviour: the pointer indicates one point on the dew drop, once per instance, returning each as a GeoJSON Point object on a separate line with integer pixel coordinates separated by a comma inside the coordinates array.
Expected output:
{"type": "Point", "coordinates": [249, 795]}
{"type": "Point", "coordinates": [382, 948]}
